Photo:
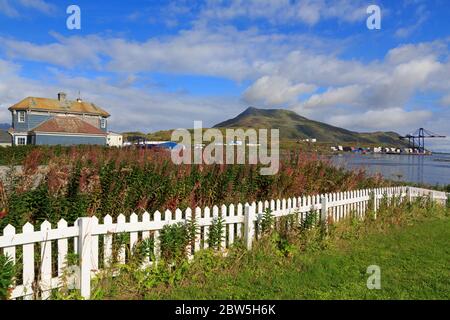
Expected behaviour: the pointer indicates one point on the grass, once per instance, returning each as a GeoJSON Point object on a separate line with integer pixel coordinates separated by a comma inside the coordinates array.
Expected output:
{"type": "Point", "coordinates": [414, 264]}
{"type": "Point", "coordinates": [409, 242]}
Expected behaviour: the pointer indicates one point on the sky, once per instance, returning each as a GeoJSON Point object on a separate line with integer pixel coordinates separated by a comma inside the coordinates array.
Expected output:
{"type": "Point", "coordinates": [162, 65]}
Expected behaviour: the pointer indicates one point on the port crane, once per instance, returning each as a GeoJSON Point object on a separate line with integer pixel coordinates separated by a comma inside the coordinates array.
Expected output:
{"type": "Point", "coordinates": [417, 138]}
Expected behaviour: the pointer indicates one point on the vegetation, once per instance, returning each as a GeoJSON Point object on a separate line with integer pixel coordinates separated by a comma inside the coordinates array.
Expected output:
{"type": "Point", "coordinates": [7, 272]}
{"type": "Point", "coordinates": [87, 181]}
{"type": "Point", "coordinates": [18, 154]}
{"type": "Point", "coordinates": [299, 261]}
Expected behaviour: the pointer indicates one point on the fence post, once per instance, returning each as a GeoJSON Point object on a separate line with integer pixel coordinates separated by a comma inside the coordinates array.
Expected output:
{"type": "Point", "coordinates": [249, 225]}
{"type": "Point", "coordinates": [324, 212]}
{"type": "Point", "coordinates": [84, 251]}
{"type": "Point", "coordinates": [375, 204]}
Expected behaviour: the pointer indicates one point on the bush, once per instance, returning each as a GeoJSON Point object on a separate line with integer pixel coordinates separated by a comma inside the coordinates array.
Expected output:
{"type": "Point", "coordinates": [85, 181]}
{"type": "Point", "coordinates": [174, 240]}
{"type": "Point", "coordinates": [267, 221]}
{"type": "Point", "coordinates": [216, 233]}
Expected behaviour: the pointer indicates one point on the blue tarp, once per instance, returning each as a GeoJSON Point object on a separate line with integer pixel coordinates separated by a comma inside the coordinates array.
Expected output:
{"type": "Point", "coordinates": [165, 145]}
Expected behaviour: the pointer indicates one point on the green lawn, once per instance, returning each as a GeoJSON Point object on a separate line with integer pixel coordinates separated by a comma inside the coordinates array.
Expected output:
{"type": "Point", "coordinates": [414, 262]}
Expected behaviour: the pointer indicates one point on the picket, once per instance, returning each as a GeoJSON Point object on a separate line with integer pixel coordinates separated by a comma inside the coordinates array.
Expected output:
{"type": "Point", "coordinates": [85, 226]}
{"type": "Point", "coordinates": [62, 249]}
{"type": "Point", "coordinates": [133, 235]}
{"type": "Point", "coordinates": [107, 241]}
{"type": "Point", "coordinates": [75, 239]}
{"type": "Point", "coordinates": [249, 226]}
{"type": "Point", "coordinates": [188, 217]}
{"type": "Point", "coordinates": [198, 215]}
{"type": "Point", "coordinates": [156, 240]}
{"type": "Point", "coordinates": [46, 263]}
{"type": "Point", "coordinates": [240, 213]}
{"type": "Point", "coordinates": [206, 216]}
{"type": "Point", "coordinates": [223, 214]}
{"type": "Point", "coordinates": [10, 251]}
{"type": "Point", "coordinates": [94, 246]}
{"type": "Point", "coordinates": [28, 262]}
{"type": "Point", "coordinates": [231, 226]}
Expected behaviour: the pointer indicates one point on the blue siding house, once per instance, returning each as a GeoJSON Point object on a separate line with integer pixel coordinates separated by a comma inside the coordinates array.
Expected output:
{"type": "Point", "coordinates": [43, 121]}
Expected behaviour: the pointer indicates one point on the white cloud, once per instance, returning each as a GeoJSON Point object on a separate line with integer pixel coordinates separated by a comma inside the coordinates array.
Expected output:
{"type": "Point", "coordinates": [334, 97]}
{"type": "Point", "coordinates": [392, 86]}
{"type": "Point", "coordinates": [422, 15]}
{"type": "Point", "coordinates": [12, 9]}
{"type": "Point", "coordinates": [275, 91]}
{"type": "Point", "coordinates": [406, 52]}
{"type": "Point", "coordinates": [446, 100]}
{"type": "Point", "coordinates": [388, 119]}
{"type": "Point", "coordinates": [131, 108]}
{"type": "Point", "coordinates": [39, 5]}
{"type": "Point", "coordinates": [308, 12]}
{"type": "Point", "coordinates": [67, 52]}
{"type": "Point", "coordinates": [7, 9]}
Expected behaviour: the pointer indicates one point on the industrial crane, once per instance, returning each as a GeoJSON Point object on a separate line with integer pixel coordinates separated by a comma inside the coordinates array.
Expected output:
{"type": "Point", "coordinates": [417, 139]}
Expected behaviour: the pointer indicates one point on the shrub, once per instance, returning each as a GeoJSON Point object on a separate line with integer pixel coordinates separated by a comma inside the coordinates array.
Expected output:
{"type": "Point", "coordinates": [88, 180]}
{"type": "Point", "coordinates": [216, 233]}
{"type": "Point", "coordinates": [267, 221]}
{"type": "Point", "coordinates": [174, 239]}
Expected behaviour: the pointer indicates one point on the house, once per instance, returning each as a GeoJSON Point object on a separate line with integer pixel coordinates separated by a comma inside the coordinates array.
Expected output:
{"type": "Point", "coordinates": [5, 139]}
{"type": "Point", "coordinates": [43, 121]}
{"type": "Point", "coordinates": [114, 139]}
{"type": "Point", "coordinates": [377, 149]}
{"type": "Point", "coordinates": [310, 140]}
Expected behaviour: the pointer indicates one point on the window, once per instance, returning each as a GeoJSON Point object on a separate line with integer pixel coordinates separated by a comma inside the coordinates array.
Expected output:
{"type": "Point", "coordinates": [103, 123]}
{"type": "Point", "coordinates": [21, 141]}
{"type": "Point", "coordinates": [21, 116]}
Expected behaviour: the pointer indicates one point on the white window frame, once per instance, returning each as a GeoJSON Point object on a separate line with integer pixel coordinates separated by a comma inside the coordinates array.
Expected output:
{"type": "Point", "coordinates": [19, 138]}
{"type": "Point", "coordinates": [20, 114]}
{"type": "Point", "coordinates": [102, 123]}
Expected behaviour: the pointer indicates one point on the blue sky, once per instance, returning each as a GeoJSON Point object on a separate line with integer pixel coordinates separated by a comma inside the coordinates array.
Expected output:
{"type": "Point", "coordinates": [161, 65]}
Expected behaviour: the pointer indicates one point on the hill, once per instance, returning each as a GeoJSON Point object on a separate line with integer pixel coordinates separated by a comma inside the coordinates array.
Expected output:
{"type": "Point", "coordinates": [294, 126]}
{"type": "Point", "coordinates": [5, 126]}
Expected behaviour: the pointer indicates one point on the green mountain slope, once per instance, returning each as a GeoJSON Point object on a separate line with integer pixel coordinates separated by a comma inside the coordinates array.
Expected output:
{"type": "Point", "coordinates": [294, 126]}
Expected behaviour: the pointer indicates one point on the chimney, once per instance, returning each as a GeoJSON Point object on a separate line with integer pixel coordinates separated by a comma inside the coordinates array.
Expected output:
{"type": "Point", "coordinates": [62, 96]}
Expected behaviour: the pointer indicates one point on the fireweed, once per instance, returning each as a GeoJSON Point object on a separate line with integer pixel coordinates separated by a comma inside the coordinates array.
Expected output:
{"type": "Point", "coordinates": [98, 181]}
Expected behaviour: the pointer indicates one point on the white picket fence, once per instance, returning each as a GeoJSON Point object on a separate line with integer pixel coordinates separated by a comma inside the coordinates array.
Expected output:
{"type": "Point", "coordinates": [83, 238]}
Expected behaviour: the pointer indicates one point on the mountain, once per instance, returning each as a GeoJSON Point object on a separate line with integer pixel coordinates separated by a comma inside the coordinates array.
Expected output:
{"type": "Point", "coordinates": [294, 126]}
{"type": "Point", "coordinates": [5, 126]}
